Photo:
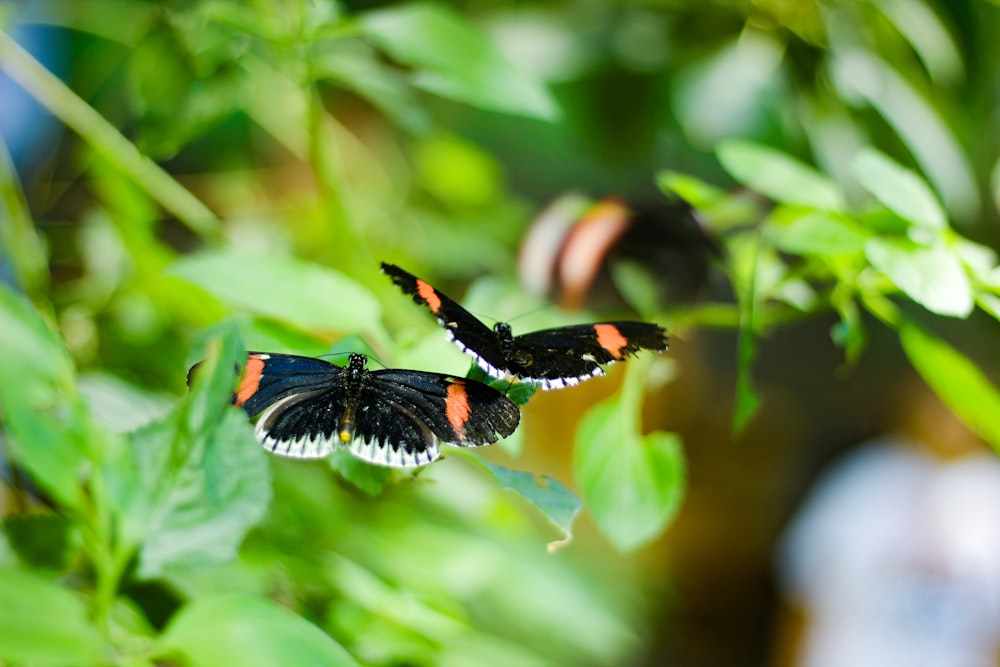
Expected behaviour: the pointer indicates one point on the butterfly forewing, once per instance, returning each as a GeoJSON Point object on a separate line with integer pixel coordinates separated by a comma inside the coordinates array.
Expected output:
{"type": "Point", "coordinates": [462, 327]}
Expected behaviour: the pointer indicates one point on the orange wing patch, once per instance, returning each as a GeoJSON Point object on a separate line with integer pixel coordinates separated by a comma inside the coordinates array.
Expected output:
{"type": "Point", "coordinates": [457, 407]}
{"type": "Point", "coordinates": [251, 379]}
{"type": "Point", "coordinates": [611, 339]}
{"type": "Point", "coordinates": [429, 294]}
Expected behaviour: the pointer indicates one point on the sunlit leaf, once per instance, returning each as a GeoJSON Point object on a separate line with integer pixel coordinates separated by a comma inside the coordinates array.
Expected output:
{"type": "Point", "coordinates": [899, 189]}
{"type": "Point", "coordinates": [860, 75]}
{"type": "Point", "coordinates": [932, 276]}
{"type": "Point", "coordinates": [958, 381]}
{"type": "Point", "coordinates": [306, 295]}
{"type": "Point", "coordinates": [820, 234]}
{"type": "Point", "coordinates": [732, 92]}
{"type": "Point", "coordinates": [778, 175]}
{"type": "Point", "coordinates": [455, 60]}
{"type": "Point", "coordinates": [43, 624]}
{"type": "Point", "coordinates": [552, 499]}
{"type": "Point", "coordinates": [633, 484]}
{"type": "Point", "coordinates": [250, 632]}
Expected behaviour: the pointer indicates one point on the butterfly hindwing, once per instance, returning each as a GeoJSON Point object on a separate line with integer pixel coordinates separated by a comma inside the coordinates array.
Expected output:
{"type": "Point", "coordinates": [567, 355]}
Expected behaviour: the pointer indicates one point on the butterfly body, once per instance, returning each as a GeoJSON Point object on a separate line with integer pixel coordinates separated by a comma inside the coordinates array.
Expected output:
{"type": "Point", "coordinates": [550, 358]}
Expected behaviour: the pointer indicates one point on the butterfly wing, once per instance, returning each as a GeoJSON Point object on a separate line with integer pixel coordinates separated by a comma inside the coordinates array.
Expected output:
{"type": "Point", "coordinates": [462, 327]}
{"type": "Point", "coordinates": [458, 411]}
{"type": "Point", "coordinates": [564, 356]}
{"type": "Point", "coordinates": [299, 400]}
{"type": "Point", "coordinates": [308, 407]}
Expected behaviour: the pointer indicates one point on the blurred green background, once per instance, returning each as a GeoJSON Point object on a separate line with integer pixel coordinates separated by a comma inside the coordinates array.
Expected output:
{"type": "Point", "coordinates": [206, 176]}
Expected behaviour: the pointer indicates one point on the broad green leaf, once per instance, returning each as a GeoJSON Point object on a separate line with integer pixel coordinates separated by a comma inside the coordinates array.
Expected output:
{"type": "Point", "coordinates": [208, 506]}
{"type": "Point", "coordinates": [734, 92]}
{"type": "Point", "coordinates": [555, 501]}
{"type": "Point", "coordinates": [898, 189]}
{"type": "Point", "coordinates": [41, 357]}
{"type": "Point", "coordinates": [453, 59]}
{"type": "Point", "coordinates": [930, 38]}
{"type": "Point", "coordinates": [633, 484]}
{"type": "Point", "coordinates": [819, 234]}
{"type": "Point", "coordinates": [691, 188]}
{"type": "Point", "coordinates": [932, 276]}
{"type": "Point", "coordinates": [250, 632]}
{"type": "Point", "coordinates": [359, 70]}
{"type": "Point", "coordinates": [188, 487]}
{"type": "Point", "coordinates": [778, 175]}
{"type": "Point", "coordinates": [46, 422]}
{"type": "Point", "coordinates": [959, 383]}
{"type": "Point", "coordinates": [43, 624]}
{"type": "Point", "coordinates": [303, 294]}
{"type": "Point", "coordinates": [862, 77]}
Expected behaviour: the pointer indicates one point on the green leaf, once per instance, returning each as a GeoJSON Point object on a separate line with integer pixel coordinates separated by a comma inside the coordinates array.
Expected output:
{"type": "Point", "coordinates": [633, 484]}
{"type": "Point", "coordinates": [208, 506]}
{"type": "Point", "coordinates": [956, 380]}
{"type": "Point", "coordinates": [778, 175]}
{"type": "Point", "coordinates": [932, 276]}
{"type": "Point", "coordinates": [40, 540]}
{"type": "Point", "coordinates": [44, 624]}
{"type": "Point", "coordinates": [188, 487]}
{"type": "Point", "coordinates": [46, 421]}
{"type": "Point", "coordinates": [305, 295]}
{"type": "Point", "coordinates": [899, 189]}
{"type": "Point", "coordinates": [359, 70]}
{"type": "Point", "coordinates": [214, 379]}
{"type": "Point", "coordinates": [455, 60]}
{"type": "Point", "coordinates": [820, 234]}
{"type": "Point", "coordinates": [371, 479]}
{"type": "Point", "coordinates": [250, 632]}
{"type": "Point", "coordinates": [555, 501]}
{"type": "Point", "coordinates": [41, 357]}
{"type": "Point", "coordinates": [691, 188]}
{"type": "Point", "coordinates": [861, 76]}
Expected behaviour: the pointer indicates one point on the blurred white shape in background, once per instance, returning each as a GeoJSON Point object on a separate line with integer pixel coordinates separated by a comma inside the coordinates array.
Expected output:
{"type": "Point", "coordinates": [895, 560]}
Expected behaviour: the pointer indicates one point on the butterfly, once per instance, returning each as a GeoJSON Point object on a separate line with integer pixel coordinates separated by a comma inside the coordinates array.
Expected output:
{"type": "Point", "coordinates": [307, 408]}
{"type": "Point", "coordinates": [550, 358]}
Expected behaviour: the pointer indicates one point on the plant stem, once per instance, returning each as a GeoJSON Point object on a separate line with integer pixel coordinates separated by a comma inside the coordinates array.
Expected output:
{"type": "Point", "coordinates": [26, 251]}
{"type": "Point", "coordinates": [104, 138]}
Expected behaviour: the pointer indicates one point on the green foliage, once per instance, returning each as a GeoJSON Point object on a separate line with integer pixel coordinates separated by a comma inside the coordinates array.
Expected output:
{"type": "Point", "coordinates": [632, 483]}
{"type": "Point", "coordinates": [275, 151]}
{"type": "Point", "coordinates": [249, 631]}
{"type": "Point", "coordinates": [42, 623]}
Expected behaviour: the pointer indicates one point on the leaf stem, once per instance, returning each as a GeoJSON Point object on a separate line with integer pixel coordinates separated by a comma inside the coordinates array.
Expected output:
{"type": "Point", "coordinates": [104, 138]}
